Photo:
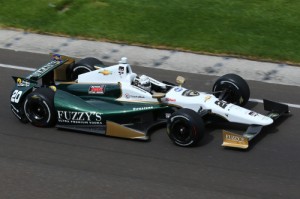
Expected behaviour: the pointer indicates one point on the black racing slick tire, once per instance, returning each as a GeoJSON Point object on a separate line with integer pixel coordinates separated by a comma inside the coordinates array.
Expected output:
{"type": "Point", "coordinates": [83, 66]}
{"type": "Point", "coordinates": [185, 127]}
{"type": "Point", "coordinates": [232, 88]}
{"type": "Point", "coordinates": [39, 108]}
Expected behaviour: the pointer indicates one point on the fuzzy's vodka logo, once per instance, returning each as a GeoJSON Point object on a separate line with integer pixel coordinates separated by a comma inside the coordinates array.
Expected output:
{"type": "Point", "coordinates": [73, 117]}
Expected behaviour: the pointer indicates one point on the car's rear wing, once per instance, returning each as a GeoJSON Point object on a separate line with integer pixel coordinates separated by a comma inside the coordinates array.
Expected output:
{"type": "Point", "coordinates": [242, 141]}
{"type": "Point", "coordinates": [56, 61]}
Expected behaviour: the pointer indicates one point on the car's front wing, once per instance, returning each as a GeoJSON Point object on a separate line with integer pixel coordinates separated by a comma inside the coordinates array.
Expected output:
{"type": "Point", "coordinates": [242, 141]}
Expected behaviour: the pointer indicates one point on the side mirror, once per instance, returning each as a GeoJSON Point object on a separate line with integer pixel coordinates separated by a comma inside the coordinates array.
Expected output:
{"type": "Point", "coordinates": [158, 96]}
{"type": "Point", "coordinates": [180, 80]}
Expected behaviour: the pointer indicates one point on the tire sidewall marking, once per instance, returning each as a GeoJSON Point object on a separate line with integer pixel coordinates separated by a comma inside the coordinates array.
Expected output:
{"type": "Point", "coordinates": [179, 116]}
{"type": "Point", "coordinates": [229, 82]}
{"type": "Point", "coordinates": [81, 67]}
{"type": "Point", "coordinates": [49, 112]}
{"type": "Point", "coordinates": [25, 111]}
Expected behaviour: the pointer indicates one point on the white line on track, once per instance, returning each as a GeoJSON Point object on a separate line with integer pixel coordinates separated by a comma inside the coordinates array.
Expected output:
{"type": "Point", "coordinates": [33, 69]}
{"type": "Point", "coordinates": [17, 67]}
{"type": "Point", "coordinates": [261, 101]}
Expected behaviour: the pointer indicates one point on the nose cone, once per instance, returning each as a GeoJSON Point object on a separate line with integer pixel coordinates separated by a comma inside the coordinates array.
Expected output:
{"type": "Point", "coordinates": [266, 120]}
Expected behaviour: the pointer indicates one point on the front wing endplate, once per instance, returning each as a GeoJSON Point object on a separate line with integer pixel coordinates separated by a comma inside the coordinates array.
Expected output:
{"type": "Point", "coordinates": [234, 140]}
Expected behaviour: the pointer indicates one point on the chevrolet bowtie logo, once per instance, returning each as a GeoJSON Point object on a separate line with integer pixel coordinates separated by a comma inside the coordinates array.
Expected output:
{"type": "Point", "coordinates": [105, 72]}
{"type": "Point", "coordinates": [207, 98]}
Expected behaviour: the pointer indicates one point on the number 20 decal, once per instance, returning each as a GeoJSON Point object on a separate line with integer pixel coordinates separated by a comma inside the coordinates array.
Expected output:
{"type": "Point", "coordinates": [15, 97]}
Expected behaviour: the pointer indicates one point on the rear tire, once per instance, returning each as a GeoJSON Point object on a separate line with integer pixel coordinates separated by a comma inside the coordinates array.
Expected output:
{"type": "Point", "coordinates": [83, 66]}
{"type": "Point", "coordinates": [233, 89]}
{"type": "Point", "coordinates": [39, 108]}
{"type": "Point", "coordinates": [185, 127]}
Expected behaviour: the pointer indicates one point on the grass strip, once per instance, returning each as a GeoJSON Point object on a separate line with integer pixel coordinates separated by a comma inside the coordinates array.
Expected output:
{"type": "Point", "coordinates": [266, 30]}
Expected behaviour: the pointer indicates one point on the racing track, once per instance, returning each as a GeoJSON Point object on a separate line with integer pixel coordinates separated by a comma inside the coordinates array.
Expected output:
{"type": "Point", "coordinates": [50, 163]}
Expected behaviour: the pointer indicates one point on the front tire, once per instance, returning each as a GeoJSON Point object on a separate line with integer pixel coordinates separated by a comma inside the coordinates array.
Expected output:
{"type": "Point", "coordinates": [233, 89]}
{"type": "Point", "coordinates": [39, 108]}
{"type": "Point", "coordinates": [185, 128]}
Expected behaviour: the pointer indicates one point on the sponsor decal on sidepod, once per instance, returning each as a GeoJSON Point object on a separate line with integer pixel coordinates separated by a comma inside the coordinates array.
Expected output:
{"type": "Point", "coordinates": [97, 89]}
{"type": "Point", "coordinates": [74, 117]}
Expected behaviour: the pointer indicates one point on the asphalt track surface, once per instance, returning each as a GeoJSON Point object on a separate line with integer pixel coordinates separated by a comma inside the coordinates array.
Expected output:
{"type": "Point", "coordinates": [50, 163]}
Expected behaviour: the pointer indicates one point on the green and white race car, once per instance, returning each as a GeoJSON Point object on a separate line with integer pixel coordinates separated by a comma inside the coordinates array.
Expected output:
{"type": "Point", "coordinates": [114, 101]}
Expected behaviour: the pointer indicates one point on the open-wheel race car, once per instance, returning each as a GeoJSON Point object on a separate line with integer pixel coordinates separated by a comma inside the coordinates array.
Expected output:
{"type": "Point", "coordinates": [114, 101]}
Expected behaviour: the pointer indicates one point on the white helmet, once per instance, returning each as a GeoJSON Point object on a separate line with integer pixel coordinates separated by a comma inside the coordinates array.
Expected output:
{"type": "Point", "coordinates": [143, 82]}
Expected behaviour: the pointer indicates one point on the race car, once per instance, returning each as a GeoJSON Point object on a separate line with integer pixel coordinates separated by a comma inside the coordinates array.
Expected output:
{"type": "Point", "coordinates": [114, 101]}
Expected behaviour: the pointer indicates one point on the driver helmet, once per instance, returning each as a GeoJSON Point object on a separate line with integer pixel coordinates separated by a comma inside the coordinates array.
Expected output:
{"type": "Point", "coordinates": [143, 82]}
